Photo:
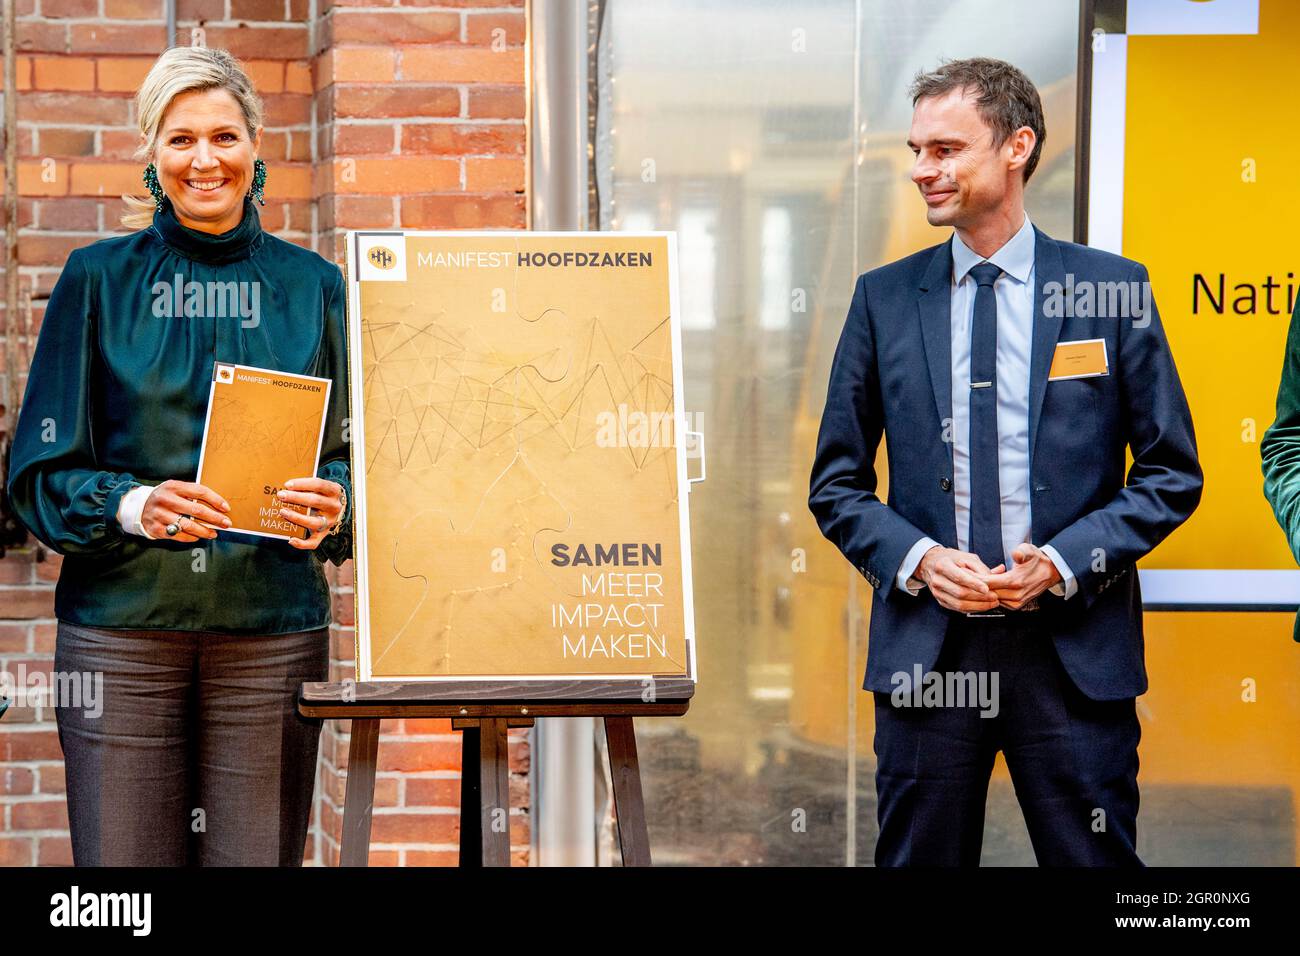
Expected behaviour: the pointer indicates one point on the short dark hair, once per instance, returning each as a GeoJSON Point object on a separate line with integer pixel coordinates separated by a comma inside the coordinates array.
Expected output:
{"type": "Point", "coordinates": [1005, 98]}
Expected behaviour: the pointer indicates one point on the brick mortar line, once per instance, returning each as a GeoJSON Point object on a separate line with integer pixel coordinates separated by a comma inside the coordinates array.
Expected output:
{"type": "Point", "coordinates": [415, 739]}
{"type": "Point", "coordinates": [35, 232]}
{"type": "Point", "coordinates": [398, 8]}
{"type": "Point", "coordinates": [39, 125]}
{"type": "Point", "coordinates": [412, 84]}
{"type": "Point", "coordinates": [421, 810]}
{"type": "Point", "coordinates": [31, 798]}
{"type": "Point", "coordinates": [444, 156]}
{"type": "Point", "coordinates": [432, 120]}
{"type": "Point", "coordinates": [417, 774]}
{"type": "Point", "coordinates": [44, 727]}
{"type": "Point", "coordinates": [418, 847]}
{"type": "Point", "coordinates": [104, 21]}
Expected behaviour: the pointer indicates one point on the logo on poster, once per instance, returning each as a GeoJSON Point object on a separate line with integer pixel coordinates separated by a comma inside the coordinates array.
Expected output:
{"type": "Point", "coordinates": [382, 257]}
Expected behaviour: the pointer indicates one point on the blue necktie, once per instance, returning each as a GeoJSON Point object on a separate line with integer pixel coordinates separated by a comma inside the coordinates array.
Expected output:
{"type": "Point", "coordinates": [985, 496]}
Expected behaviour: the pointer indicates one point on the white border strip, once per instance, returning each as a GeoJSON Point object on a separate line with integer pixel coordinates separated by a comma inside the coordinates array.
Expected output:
{"type": "Point", "coordinates": [1192, 18]}
{"type": "Point", "coordinates": [356, 383]}
{"type": "Point", "coordinates": [1106, 144]}
{"type": "Point", "coordinates": [357, 401]}
{"type": "Point", "coordinates": [1220, 587]}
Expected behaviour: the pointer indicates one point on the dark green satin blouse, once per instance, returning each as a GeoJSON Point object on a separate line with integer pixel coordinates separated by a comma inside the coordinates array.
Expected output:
{"type": "Point", "coordinates": [117, 396]}
{"type": "Point", "coordinates": [1280, 447]}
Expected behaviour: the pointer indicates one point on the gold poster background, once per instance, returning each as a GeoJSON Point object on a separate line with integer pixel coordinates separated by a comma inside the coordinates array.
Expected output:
{"type": "Point", "coordinates": [482, 391]}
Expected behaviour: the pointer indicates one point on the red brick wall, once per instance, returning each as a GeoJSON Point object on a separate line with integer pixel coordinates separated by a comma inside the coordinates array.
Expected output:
{"type": "Point", "coordinates": [417, 115]}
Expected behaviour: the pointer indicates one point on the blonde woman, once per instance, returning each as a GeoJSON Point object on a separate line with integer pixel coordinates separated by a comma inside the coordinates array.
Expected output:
{"type": "Point", "coordinates": [202, 636]}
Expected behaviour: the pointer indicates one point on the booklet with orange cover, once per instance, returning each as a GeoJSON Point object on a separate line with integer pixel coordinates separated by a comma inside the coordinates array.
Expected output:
{"type": "Point", "coordinates": [263, 427]}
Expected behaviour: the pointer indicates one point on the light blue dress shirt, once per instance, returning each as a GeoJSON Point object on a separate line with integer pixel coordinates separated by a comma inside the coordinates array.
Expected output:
{"type": "Point", "coordinates": [1014, 291]}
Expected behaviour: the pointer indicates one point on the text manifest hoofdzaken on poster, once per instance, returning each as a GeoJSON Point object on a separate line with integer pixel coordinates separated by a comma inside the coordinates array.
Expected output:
{"type": "Point", "coordinates": [519, 417]}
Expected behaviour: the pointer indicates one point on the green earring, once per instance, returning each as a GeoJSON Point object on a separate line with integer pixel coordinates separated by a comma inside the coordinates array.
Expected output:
{"type": "Point", "coordinates": [259, 181]}
{"type": "Point", "coordinates": [155, 189]}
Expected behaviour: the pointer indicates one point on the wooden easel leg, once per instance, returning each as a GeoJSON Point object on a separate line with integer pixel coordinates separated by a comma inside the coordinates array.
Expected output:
{"type": "Point", "coordinates": [629, 805]}
{"type": "Point", "coordinates": [359, 796]}
{"type": "Point", "coordinates": [494, 778]}
{"type": "Point", "coordinates": [471, 822]}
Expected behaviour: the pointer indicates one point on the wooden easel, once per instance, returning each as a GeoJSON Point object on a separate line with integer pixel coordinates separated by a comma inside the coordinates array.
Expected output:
{"type": "Point", "coordinates": [482, 711]}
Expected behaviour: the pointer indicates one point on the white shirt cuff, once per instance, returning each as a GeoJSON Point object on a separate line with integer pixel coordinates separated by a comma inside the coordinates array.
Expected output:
{"type": "Point", "coordinates": [1067, 585]}
{"type": "Point", "coordinates": [908, 567]}
{"type": "Point", "coordinates": [130, 508]}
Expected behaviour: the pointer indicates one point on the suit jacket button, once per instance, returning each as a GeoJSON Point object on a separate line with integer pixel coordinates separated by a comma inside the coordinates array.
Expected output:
{"type": "Point", "coordinates": [945, 483]}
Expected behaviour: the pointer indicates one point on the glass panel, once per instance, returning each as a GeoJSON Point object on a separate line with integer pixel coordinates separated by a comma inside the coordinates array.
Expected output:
{"type": "Point", "coordinates": [771, 136]}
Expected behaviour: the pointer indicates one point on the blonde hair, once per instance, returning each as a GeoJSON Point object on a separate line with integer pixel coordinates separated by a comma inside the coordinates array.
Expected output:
{"type": "Point", "coordinates": [179, 70]}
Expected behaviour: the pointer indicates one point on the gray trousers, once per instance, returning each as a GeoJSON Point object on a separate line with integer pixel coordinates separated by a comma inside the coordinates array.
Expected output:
{"type": "Point", "coordinates": [194, 754]}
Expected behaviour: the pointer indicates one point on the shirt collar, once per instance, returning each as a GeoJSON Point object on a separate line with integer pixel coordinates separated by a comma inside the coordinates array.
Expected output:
{"type": "Point", "coordinates": [1015, 258]}
{"type": "Point", "coordinates": [237, 243]}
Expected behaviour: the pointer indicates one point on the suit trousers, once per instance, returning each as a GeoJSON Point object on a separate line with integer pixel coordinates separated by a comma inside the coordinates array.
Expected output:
{"type": "Point", "coordinates": [195, 753]}
{"type": "Point", "coordinates": [1073, 760]}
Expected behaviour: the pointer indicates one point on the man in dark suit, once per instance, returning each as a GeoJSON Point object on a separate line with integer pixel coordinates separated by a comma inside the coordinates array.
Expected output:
{"type": "Point", "coordinates": [1008, 372]}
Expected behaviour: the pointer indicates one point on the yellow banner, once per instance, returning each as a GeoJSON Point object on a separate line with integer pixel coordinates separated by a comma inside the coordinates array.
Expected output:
{"type": "Point", "coordinates": [1210, 206]}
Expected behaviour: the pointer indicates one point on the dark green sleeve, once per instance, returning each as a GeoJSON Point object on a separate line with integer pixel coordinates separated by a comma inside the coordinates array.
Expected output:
{"type": "Point", "coordinates": [336, 446]}
{"type": "Point", "coordinates": [1280, 447]}
{"type": "Point", "coordinates": [56, 484]}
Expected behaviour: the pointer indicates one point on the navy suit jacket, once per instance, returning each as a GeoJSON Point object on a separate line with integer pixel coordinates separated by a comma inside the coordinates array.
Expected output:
{"type": "Point", "coordinates": [892, 375]}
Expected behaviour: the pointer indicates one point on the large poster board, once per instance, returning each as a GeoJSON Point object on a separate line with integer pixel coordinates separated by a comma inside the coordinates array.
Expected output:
{"type": "Point", "coordinates": [1213, 229]}
{"type": "Point", "coordinates": [519, 456]}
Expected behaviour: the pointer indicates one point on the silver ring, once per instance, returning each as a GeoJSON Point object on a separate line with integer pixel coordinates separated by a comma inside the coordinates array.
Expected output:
{"type": "Point", "coordinates": [173, 528]}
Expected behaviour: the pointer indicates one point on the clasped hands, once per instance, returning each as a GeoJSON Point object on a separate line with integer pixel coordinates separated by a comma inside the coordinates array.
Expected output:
{"type": "Point", "coordinates": [960, 581]}
{"type": "Point", "coordinates": [174, 500]}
